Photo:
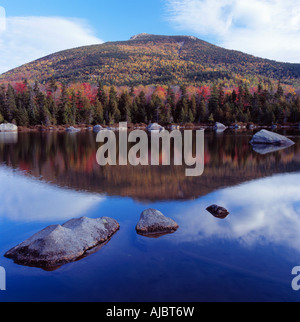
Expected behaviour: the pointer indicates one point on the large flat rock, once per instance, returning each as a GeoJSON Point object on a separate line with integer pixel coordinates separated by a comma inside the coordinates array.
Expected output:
{"type": "Point", "coordinates": [57, 245]}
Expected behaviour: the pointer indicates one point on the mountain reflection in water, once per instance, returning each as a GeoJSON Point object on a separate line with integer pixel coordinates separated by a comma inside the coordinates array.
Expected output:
{"type": "Point", "coordinates": [70, 161]}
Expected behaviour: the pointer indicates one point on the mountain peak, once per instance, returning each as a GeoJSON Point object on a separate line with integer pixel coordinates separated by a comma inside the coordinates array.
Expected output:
{"type": "Point", "coordinates": [144, 36]}
{"type": "Point", "coordinates": [140, 36]}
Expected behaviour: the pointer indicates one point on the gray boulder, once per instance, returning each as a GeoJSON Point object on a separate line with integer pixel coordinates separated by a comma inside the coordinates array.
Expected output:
{"type": "Point", "coordinates": [219, 127]}
{"type": "Point", "coordinates": [153, 222]}
{"type": "Point", "coordinates": [98, 128]}
{"type": "Point", "coordinates": [267, 137]}
{"type": "Point", "coordinates": [72, 129]}
{"type": "Point", "coordinates": [58, 245]}
{"type": "Point", "coordinates": [7, 127]}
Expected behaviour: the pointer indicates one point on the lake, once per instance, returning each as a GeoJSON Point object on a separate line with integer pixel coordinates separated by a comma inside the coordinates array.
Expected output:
{"type": "Point", "coordinates": [49, 178]}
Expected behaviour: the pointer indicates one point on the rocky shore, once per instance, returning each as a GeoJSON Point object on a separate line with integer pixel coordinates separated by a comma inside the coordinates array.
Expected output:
{"type": "Point", "coordinates": [170, 127]}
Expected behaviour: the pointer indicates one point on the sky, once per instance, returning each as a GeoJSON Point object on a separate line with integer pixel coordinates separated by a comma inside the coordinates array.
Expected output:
{"type": "Point", "coordinates": [32, 29]}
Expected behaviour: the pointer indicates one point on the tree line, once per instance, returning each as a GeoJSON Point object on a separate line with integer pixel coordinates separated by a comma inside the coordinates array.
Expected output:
{"type": "Point", "coordinates": [58, 104]}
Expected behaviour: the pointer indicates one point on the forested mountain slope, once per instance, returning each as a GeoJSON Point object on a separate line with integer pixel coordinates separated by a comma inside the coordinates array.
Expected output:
{"type": "Point", "coordinates": [150, 59]}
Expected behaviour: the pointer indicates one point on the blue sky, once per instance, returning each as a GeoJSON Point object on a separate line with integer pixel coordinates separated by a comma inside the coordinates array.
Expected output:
{"type": "Point", "coordinates": [33, 29]}
{"type": "Point", "coordinates": [111, 20]}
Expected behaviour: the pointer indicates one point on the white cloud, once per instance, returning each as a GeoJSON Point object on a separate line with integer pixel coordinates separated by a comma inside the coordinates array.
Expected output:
{"type": "Point", "coordinates": [25, 199]}
{"type": "Point", "coordinates": [265, 28]}
{"type": "Point", "coordinates": [28, 38]}
{"type": "Point", "coordinates": [261, 211]}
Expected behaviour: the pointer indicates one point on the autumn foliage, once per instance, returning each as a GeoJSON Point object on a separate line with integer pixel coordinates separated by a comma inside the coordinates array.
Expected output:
{"type": "Point", "coordinates": [54, 103]}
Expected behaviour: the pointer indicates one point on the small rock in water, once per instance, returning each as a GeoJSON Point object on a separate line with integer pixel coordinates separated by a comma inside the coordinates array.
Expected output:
{"type": "Point", "coordinates": [218, 212]}
{"type": "Point", "coordinates": [57, 245]}
{"type": "Point", "coordinates": [153, 222]}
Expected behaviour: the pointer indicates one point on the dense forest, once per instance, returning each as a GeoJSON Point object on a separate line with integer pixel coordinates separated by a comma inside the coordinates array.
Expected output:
{"type": "Point", "coordinates": [149, 78]}
{"type": "Point", "coordinates": [54, 103]}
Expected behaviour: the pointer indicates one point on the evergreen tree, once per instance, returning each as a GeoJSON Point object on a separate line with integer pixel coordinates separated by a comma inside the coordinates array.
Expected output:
{"type": "Point", "coordinates": [44, 117]}
{"type": "Point", "coordinates": [193, 109]}
{"type": "Point", "coordinates": [98, 112]}
{"type": "Point", "coordinates": [101, 94]}
{"type": "Point", "coordinates": [21, 116]}
{"type": "Point", "coordinates": [201, 115]}
{"type": "Point", "coordinates": [125, 107]}
{"type": "Point", "coordinates": [10, 106]}
{"type": "Point", "coordinates": [142, 106]}
{"type": "Point", "coordinates": [2, 101]}
{"type": "Point", "coordinates": [114, 114]}
{"type": "Point", "coordinates": [63, 108]}
{"type": "Point", "coordinates": [213, 103]}
{"type": "Point", "coordinates": [280, 92]}
{"type": "Point", "coordinates": [171, 102]}
{"type": "Point", "coordinates": [182, 110]}
{"type": "Point", "coordinates": [52, 108]}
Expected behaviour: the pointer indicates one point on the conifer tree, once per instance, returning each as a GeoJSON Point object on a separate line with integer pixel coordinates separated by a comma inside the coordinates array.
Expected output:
{"type": "Point", "coordinates": [10, 106]}
{"type": "Point", "coordinates": [98, 112]}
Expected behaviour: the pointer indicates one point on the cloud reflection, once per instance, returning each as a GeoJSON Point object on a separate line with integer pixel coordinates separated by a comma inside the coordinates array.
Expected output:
{"type": "Point", "coordinates": [262, 211]}
{"type": "Point", "coordinates": [25, 199]}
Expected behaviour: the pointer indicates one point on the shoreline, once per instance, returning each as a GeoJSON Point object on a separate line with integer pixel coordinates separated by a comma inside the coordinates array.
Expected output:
{"type": "Point", "coordinates": [86, 127]}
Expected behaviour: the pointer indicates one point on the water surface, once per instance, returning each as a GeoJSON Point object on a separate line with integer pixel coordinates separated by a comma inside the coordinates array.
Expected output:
{"type": "Point", "coordinates": [49, 178]}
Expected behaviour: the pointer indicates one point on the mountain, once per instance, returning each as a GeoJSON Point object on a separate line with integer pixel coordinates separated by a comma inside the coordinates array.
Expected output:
{"type": "Point", "coordinates": [153, 59]}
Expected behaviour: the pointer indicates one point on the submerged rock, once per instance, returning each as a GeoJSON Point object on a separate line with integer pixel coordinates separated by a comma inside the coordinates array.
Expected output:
{"type": "Point", "coordinates": [267, 137]}
{"type": "Point", "coordinates": [58, 245]}
{"type": "Point", "coordinates": [7, 127]}
{"type": "Point", "coordinates": [218, 212]}
{"type": "Point", "coordinates": [153, 222]}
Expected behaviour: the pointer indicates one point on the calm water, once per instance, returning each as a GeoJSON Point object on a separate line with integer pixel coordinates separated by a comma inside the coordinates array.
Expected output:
{"type": "Point", "coordinates": [49, 178]}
